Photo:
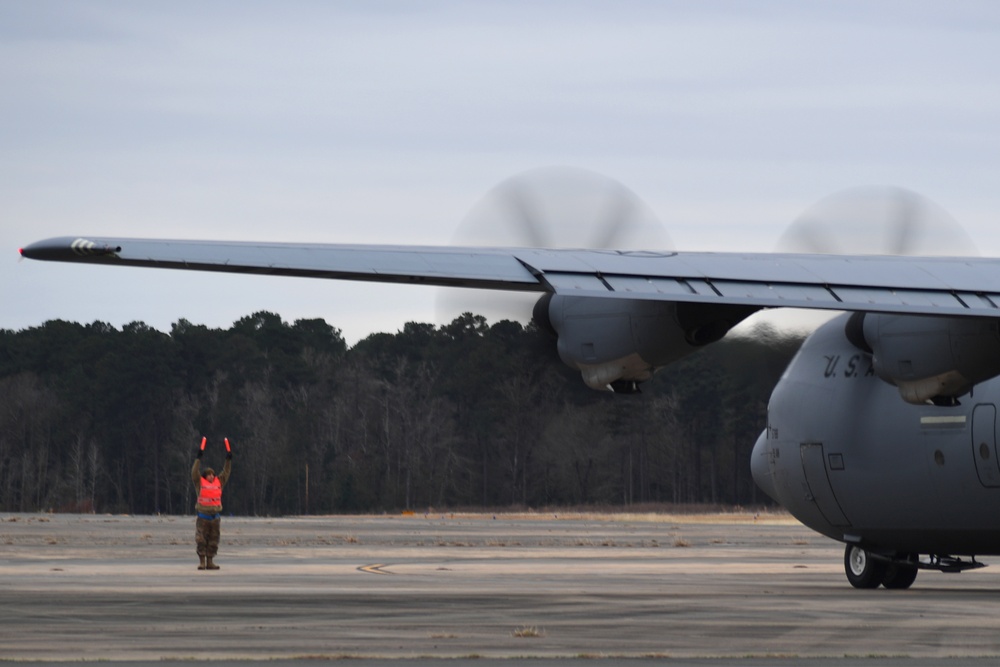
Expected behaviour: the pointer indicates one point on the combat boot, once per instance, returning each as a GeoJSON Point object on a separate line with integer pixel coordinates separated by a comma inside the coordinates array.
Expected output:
{"type": "Point", "coordinates": [210, 565]}
{"type": "Point", "coordinates": [201, 563]}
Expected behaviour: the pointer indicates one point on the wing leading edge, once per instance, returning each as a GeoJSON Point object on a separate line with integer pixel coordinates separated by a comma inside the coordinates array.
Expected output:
{"type": "Point", "coordinates": [915, 285]}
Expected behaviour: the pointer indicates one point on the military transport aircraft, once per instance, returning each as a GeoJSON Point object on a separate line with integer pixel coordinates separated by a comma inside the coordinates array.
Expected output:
{"type": "Point", "coordinates": [881, 434]}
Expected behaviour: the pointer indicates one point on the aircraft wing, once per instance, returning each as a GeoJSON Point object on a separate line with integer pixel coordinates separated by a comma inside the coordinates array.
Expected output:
{"type": "Point", "coordinates": [916, 285]}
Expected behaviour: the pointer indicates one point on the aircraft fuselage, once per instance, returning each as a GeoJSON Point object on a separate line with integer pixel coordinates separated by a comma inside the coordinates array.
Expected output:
{"type": "Point", "coordinates": [852, 460]}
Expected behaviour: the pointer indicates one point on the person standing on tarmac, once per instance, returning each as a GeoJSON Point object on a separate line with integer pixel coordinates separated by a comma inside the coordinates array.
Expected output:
{"type": "Point", "coordinates": [208, 486]}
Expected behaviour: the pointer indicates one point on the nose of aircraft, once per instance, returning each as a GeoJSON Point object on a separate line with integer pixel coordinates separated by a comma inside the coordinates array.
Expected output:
{"type": "Point", "coordinates": [760, 465]}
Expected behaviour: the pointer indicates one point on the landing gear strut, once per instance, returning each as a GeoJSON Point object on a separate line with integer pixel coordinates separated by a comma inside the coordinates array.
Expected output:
{"type": "Point", "coordinates": [865, 570]}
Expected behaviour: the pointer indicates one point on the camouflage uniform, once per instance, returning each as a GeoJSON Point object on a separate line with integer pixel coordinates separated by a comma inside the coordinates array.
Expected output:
{"type": "Point", "coordinates": [209, 522]}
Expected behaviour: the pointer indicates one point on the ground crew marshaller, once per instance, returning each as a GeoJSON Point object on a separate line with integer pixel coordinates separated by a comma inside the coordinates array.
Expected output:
{"type": "Point", "coordinates": [209, 506]}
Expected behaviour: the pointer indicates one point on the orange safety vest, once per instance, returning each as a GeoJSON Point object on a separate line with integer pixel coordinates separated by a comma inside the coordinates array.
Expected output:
{"type": "Point", "coordinates": [211, 493]}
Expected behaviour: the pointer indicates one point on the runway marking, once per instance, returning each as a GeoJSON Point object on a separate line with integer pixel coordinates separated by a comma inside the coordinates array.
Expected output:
{"type": "Point", "coordinates": [374, 569]}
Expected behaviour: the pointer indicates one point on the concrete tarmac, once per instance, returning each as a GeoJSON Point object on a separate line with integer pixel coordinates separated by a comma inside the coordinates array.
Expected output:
{"type": "Point", "coordinates": [643, 588]}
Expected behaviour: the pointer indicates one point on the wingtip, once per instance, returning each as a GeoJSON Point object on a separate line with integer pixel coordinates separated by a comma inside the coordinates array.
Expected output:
{"type": "Point", "coordinates": [67, 248]}
{"type": "Point", "coordinates": [30, 251]}
{"type": "Point", "coordinates": [48, 249]}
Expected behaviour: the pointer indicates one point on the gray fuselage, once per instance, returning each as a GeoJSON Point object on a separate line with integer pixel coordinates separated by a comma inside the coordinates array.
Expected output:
{"type": "Point", "coordinates": [850, 459]}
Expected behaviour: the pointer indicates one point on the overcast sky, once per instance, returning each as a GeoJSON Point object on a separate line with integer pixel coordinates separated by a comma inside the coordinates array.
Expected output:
{"type": "Point", "coordinates": [386, 122]}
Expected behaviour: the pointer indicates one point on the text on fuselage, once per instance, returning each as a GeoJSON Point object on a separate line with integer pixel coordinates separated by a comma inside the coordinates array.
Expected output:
{"type": "Point", "coordinates": [858, 365]}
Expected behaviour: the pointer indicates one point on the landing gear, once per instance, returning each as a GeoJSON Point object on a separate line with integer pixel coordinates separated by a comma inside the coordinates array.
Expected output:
{"type": "Point", "coordinates": [899, 575]}
{"type": "Point", "coordinates": [865, 570]}
{"type": "Point", "coordinates": [898, 570]}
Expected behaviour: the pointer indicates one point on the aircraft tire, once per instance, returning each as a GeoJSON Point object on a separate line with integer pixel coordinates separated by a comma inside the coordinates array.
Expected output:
{"type": "Point", "coordinates": [862, 570]}
{"type": "Point", "coordinates": [899, 576]}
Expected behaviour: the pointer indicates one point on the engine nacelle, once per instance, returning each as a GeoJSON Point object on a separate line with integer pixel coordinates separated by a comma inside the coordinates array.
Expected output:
{"type": "Point", "coordinates": [930, 359]}
{"type": "Point", "coordinates": [616, 343]}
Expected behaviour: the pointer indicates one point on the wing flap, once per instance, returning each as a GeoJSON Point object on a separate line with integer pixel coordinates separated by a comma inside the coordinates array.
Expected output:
{"type": "Point", "coordinates": [915, 285]}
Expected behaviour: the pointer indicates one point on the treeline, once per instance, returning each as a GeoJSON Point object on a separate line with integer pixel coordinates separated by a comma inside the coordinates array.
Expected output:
{"type": "Point", "coordinates": [93, 418]}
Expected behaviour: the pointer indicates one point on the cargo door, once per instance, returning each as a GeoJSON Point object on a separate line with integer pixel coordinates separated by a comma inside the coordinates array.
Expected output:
{"type": "Point", "coordinates": [984, 444]}
{"type": "Point", "coordinates": [818, 480]}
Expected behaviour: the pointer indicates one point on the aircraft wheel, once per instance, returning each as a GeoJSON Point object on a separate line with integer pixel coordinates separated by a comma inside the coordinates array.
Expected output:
{"type": "Point", "coordinates": [899, 575]}
{"type": "Point", "coordinates": [863, 571]}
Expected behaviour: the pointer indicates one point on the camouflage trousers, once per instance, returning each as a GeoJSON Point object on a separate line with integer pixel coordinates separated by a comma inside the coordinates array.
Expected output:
{"type": "Point", "coordinates": [206, 536]}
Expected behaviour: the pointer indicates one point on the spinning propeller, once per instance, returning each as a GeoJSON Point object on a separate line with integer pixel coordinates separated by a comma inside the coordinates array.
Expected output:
{"type": "Point", "coordinates": [868, 220]}
{"type": "Point", "coordinates": [549, 207]}
{"type": "Point", "coordinates": [877, 221]}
